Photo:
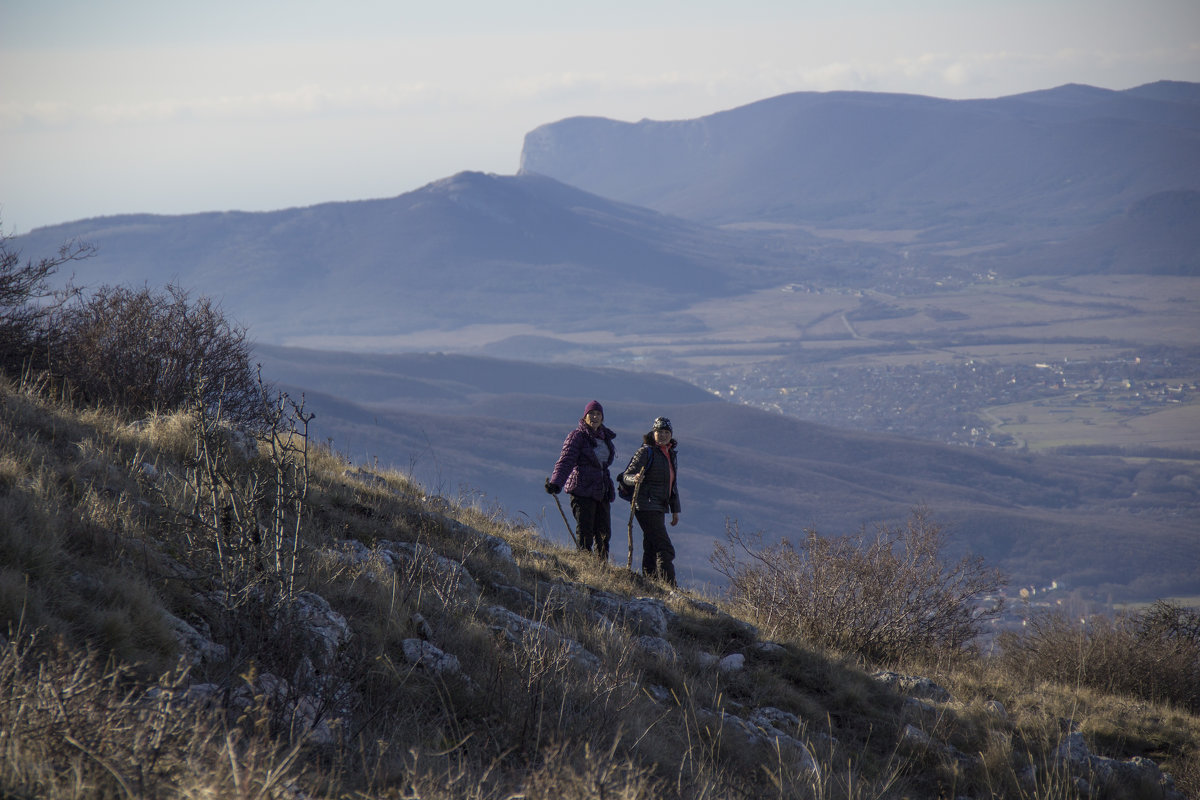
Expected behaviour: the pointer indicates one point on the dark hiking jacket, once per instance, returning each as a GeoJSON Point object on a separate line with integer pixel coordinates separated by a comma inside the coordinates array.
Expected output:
{"type": "Point", "coordinates": [582, 466]}
{"type": "Point", "coordinates": [658, 492]}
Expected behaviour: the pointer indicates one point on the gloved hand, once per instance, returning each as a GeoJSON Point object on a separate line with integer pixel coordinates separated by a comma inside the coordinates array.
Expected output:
{"type": "Point", "coordinates": [552, 488]}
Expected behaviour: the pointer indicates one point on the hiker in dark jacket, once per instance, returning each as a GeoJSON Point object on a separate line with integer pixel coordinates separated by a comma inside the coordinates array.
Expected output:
{"type": "Point", "coordinates": [582, 470]}
{"type": "Point", "coordinates": [654, 465]}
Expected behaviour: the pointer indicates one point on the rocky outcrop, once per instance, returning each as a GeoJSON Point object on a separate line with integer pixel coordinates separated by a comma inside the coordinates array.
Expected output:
{"type": "Point", "coordinates": [414, 560]}
{"type": "Point", "coordinates": [434, 661]}
{"type": "Point", "coordinates": [197, 648]}
{"type": "Point", "coordinates": [1089, 772]}
{"type": "Point", "coordinates": [644, 616]}
{"type": "Point", "coordinates": [303, 713]}
{"type": "Point", "coordinates": [657, 646]}
{"type": "Point", "coordinates": [518, 630]}
{"type": "Point", "coordinates": [315, 621]}
{"type": "Point", "coordinates": [734, 662]}
{"type": "Point", "coordinates": [531, 620]}
{"type": "Point", "coordinates": [760, 729]}
{"type": "Point", "coordinates": [1093, 773]}
{"type": "Point", "coordinates": [914, 686]}
{"type": "Point", "coordinates": [424, 654]}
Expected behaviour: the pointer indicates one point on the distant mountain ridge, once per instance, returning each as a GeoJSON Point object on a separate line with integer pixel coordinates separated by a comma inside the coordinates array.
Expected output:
{"type": "Point", "coordinates": [1073, 180]}
{"type": "Point", "coordinates": [563, 267]}
{"type": "Point", "coordinates": [1028, 167]}
{"type": "Point", "coordinates": [469, 249]}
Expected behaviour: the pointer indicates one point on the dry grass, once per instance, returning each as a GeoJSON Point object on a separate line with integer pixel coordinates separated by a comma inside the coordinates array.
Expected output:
{"type": "Point", "coordinates": [97, 557]}
{"type": "Point", "coordinates": [73, 725]}
{"type": "Point", "coordinates": [1153, 654]}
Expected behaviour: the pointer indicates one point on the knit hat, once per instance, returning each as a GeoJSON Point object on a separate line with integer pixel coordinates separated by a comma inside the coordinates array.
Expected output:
{"type": "Point", "coordinates": [662, 424]}
{"type": "Point", "coordinates": [593, 406]}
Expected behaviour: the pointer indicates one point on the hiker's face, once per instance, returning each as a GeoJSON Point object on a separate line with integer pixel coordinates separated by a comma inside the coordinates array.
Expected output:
{"type": "Point", "coordinates": [662, 436]}
{"type": "Point", "coordinates": [594, 418]}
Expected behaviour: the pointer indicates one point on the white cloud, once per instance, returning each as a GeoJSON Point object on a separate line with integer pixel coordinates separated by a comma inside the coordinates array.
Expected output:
{"type": "Point", "coordinates": [957, 74]}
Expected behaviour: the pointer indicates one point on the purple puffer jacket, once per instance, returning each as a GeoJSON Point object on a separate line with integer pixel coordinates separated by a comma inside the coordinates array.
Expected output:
{"type": "Point", "coordinates": [579, 471]}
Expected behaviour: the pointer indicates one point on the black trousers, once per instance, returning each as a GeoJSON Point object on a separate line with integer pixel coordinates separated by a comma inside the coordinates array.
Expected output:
{"type": "Point", "coordinates": [593, 524]}
{"type": "Point", "coordinates": [658, 554]}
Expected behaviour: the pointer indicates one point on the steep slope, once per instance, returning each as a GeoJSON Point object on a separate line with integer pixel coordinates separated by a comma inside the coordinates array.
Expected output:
{"type": "Point", "coordinates": [403, 646]}
{"type": "Point", "coordinates": [491, 430]}
{"type": "Point", "coordinates": [1160, 231]}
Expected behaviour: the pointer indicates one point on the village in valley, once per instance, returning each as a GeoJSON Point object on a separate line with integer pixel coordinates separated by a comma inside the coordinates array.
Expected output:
{"type": "Point", "coordinates": [968, 402]}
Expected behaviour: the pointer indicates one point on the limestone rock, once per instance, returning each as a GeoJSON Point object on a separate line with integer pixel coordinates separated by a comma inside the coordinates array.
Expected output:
{"type": "Point", "coordinates": [913, 686]}
{"type": "Point", "coordinates": [517, 629]}
{"type": "Point", "coordinates": [734, 662]}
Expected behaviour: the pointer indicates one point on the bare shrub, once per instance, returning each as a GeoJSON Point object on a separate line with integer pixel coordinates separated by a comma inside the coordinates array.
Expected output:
{"type": "Point", "coordinates": [248, 517]}
{"type": "Point", "coordinates": [149, 350]}
{"type": "Point", "coordinates": [1154, 655]}
{"type": "Point", "coordinates": [884, 596]}
{"type": "Point", "coordinates": [27, 302]}
{"type": "Point", "coordinates": [73, 726]}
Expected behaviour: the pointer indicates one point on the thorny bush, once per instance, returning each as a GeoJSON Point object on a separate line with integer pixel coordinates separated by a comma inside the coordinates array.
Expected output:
{"type": "Point", "coordinates": [884, 596]}
{"type": "Point", "coordinates": [27, 303]}
{"type": "Point", "coordinates": [150, 350]}
{"type": "Point", "coordinates": [1154, 654]}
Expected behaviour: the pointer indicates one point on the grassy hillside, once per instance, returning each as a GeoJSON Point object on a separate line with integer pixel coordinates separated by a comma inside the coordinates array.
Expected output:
{"type": "Point", "coordinates": [191, 614]}
{"type": "Point", "coordinates": [493, 427]}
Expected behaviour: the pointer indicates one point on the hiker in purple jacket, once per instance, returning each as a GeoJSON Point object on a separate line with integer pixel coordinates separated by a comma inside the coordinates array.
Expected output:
{"type": "Point", "coordinates": [582, 470]}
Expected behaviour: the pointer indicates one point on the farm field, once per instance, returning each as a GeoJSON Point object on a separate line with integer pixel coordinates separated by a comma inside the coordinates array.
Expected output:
{"type": "Point", "coordinates": [1038, 363]}
{"type": "Point", "coordinates": [987, 362]}
{"type": "Point", "coordinates": [1045, 425]}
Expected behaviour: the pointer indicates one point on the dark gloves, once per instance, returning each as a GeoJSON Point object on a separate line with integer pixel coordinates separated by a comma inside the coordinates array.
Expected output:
{"type": "Point", "coordinates": [552, 488]}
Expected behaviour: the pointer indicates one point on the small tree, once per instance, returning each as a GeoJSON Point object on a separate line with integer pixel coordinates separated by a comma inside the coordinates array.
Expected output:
{"type": "Point", "coordinates": [27, 302]}
{"type": "Point", "coordinates": [250, 514]}
{"type": "Point", "coordinates": [886, 596]}
{"type": "Point", "coordinates": [150, 350]}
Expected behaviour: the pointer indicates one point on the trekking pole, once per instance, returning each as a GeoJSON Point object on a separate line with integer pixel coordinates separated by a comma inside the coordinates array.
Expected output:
{"type": "Point", "coordinates": [570, 530]}
{"type": "Point", "coordinates": [632, 502]}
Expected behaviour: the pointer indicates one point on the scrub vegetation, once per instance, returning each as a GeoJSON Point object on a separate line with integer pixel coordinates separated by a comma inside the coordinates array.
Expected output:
{"type": "Point", "coordinates": [197, 608]}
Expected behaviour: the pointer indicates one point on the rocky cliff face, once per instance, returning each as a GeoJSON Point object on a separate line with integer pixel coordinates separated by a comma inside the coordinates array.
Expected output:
{"type": "Point", "coordinates": [1021, 169]}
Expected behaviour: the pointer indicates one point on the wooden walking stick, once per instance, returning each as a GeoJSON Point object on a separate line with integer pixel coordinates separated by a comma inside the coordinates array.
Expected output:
{"type": "Point", "coordinates": [570, 530]}
{"type": "Point", "coordinates": [632, 502]}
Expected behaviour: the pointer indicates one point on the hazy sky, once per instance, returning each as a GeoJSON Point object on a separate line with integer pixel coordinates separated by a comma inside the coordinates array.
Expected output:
{"type": "Point", "coordinates": [163, 106]}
